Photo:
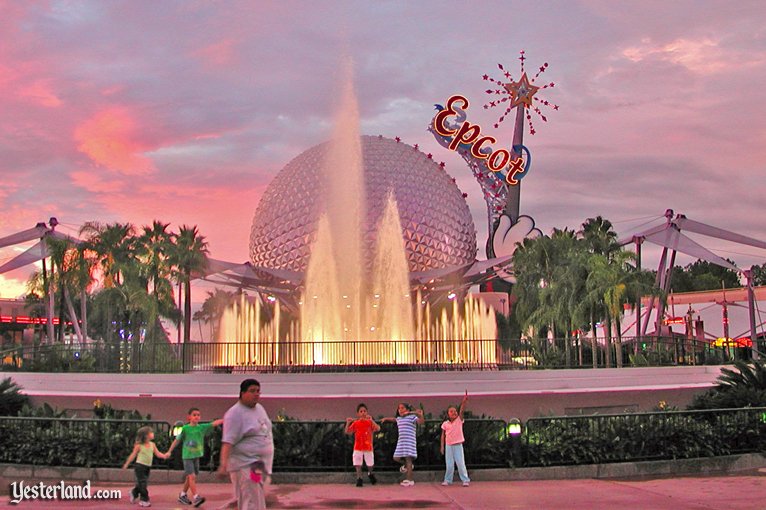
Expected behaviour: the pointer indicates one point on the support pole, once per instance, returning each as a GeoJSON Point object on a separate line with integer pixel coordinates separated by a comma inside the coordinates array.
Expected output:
{"type": "Point", "coordinates": [514, 192]}
{"type": "Point", "coordinates": [751, 312]}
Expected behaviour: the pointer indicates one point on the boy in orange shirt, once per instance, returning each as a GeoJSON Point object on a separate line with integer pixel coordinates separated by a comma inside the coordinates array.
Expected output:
{"type": "Point", "coordinates": [362, 428]}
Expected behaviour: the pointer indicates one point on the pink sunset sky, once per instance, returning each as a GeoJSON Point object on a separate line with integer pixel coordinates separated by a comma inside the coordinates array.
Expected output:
{"type": "Point", "coordinates": [184, 111]}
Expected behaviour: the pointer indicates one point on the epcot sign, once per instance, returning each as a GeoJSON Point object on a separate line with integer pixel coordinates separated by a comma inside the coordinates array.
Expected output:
{"type": "Point", "coordinates": [499, 171]}
{"type": "Point", "coordinates": [468, 136]}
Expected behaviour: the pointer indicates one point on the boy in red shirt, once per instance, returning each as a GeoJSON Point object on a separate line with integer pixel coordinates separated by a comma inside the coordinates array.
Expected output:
{"type": "Point", "coordinates": [362, 428]}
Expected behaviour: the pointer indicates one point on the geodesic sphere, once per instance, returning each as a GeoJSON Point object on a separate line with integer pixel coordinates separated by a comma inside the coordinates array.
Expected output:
{"type": "Point", "coordinates": [438, 230]}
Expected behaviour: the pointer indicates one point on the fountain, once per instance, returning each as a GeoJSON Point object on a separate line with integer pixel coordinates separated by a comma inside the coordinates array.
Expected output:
{"type": "Point", "coordinates": [357, 305]}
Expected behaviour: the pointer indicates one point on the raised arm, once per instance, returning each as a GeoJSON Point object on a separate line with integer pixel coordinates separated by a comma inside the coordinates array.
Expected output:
{"type": "Point", "coordinates": [132, 456]}
{"type": "Point", "coordinates": [348, 430]}
{"type": "Point", "coordinates": [419, 413]}
{"type": "Point", "coordinates": [218, 422]}
{"type": "Point", "coordinates": [462, 405]}
{"type": "Point", "coordinates": [375, 426]}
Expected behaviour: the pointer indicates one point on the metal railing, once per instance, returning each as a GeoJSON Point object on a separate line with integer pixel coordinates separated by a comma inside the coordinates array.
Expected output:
{"type": "Point", "coordinates": [562, 440]}
{"type": "Point", "coordinates": [351, 356]}
{"type": "Point", "coordinates": [323, 446]}
{"type": "Point", "coordinates": [299, 445]}
{"type": "Point", "coordinates": [55, 441]}
{"type": "Point", "coordinates": [311, 446]}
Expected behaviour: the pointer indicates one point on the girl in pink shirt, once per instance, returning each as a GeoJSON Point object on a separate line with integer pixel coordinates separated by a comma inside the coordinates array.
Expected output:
{"type": "Point", "coordinates": [452, 444]}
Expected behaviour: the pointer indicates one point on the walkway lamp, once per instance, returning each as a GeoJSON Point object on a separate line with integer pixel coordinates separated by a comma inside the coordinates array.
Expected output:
{"type": "Point", "coordinates": [514, 434]}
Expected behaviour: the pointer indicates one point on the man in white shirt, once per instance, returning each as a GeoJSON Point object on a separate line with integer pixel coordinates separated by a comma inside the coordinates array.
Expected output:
{"type": "Point", "coordinates": [247, 452]}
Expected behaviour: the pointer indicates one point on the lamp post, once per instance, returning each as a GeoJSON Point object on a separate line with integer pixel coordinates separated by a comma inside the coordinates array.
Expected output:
{"type": "Point", "coordinates": [514, 433]}
{"type": "Point", "coordinates": [175, 458]}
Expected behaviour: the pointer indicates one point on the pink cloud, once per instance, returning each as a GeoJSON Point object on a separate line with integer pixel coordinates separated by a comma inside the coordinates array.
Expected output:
{"type": "Point", "coordinates": [96, 183]}
{"type": "Point", "coordinates": [222, 212]}
{"type": "Point", "coordinates": [703, 56]}
{"type": "Point", "coordinates": [40, 92]}
{"type": "Point", "coordinates": [110, 139]}
{"type": "Point", "coordinates": [220, 54]}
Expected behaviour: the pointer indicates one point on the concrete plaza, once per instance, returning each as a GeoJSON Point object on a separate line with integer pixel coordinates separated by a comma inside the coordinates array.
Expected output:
{"type": "Point", "coordinates": [735, 482]}
{"type": "Point", "coordinates": [742, 491]}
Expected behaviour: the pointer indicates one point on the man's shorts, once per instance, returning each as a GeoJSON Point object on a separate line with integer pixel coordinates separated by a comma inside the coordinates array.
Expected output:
{"type": "Point", "coordinates": [367, 455]}
{"type": "Point", "coordinates": [191, 466]}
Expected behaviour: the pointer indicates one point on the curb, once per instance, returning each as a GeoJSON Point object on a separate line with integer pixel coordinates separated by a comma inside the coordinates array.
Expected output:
{"type": "Point", "coordinates": [661, 468]}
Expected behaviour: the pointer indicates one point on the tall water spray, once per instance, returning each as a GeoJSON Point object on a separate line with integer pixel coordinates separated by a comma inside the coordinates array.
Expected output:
{"type": "Point", "coordinates": [344, 205]}
{"type": "Point", "coordinates": [391, 301]}
{"type": "Point", "coordinates": [349, 314]}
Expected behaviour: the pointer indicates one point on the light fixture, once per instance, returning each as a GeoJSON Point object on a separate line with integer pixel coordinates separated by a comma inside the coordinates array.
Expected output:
{"type": "Point", "coordinates": [177, 427]}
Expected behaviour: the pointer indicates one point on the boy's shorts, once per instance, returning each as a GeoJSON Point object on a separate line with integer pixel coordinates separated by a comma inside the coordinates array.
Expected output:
{"type": "Point", "coordinates": [191, 466]}
{"type": "Point", "coordinates": [367, 455]}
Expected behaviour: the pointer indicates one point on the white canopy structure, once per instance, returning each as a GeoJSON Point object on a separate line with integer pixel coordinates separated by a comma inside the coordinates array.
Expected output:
{"type": "Point", "coordinates": [672, 239]}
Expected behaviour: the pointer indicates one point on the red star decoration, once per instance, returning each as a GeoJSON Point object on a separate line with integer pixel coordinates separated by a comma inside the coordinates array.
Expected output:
{"type": "Point", "coordinates": [521, 91]}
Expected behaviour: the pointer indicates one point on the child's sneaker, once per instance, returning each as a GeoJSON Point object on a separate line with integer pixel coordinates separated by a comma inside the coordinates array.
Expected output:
{"type": "Point", "coordinates": [466, 484]}
{"type": "Point", "coordinates": [198, 500]}
{"type": "Point", "coordinates": [144, 503]}
{"type": "Point", "coordinates": [183, 498]}
{"type": "Point", "coordinates": [445, 483]}
{"type": "Point", "coordinates": [407, 483]}
{"type": "Point", "coordinates": [373, 480]}
{"type": "Point", "coordinates": [359, 482]}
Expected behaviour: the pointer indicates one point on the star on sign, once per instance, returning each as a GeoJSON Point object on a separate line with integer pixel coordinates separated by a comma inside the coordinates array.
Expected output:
{"type": "Point", "coordinates": [521, 91]}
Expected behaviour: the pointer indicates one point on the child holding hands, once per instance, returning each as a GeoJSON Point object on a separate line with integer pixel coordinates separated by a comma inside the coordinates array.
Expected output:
{"type": "Point", "coordinates": [143, 452]}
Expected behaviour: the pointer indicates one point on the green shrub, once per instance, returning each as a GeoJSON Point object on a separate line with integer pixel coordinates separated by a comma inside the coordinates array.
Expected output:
{"type": "Point", "coordinates": [45, 436]}
{"type": "Point", "coordinates": [11, 399]}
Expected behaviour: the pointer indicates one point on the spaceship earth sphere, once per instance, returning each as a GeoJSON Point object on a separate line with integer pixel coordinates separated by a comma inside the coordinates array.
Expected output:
{"type": "Point", "coordinates": [437, 228]}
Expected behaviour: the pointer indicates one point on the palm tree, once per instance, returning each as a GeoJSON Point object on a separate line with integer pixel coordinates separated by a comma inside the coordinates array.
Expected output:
{"type": "Point", "coordinates": [616, 282]}
{"type": "Point", "coordinates": [12, 400]}
{"type": "Point", "coordinates": [189, 256]}
{"type": "Point", "coordinates": [547, 286]}
{"type": "Point", "coordinates": [110, 250]}
{"type": "Point", "coordinates": [599, 236]}
{"type": "Point", "coordinates": [64, 257]}
{"type": "Point", "coordinates": [746, 374]}
{"type": "Point", "coordinates": [213, 308]}
{"type": "Point", "coordinates": [154, 248]}
{"type": "Point", "coordinates": [34, 304]}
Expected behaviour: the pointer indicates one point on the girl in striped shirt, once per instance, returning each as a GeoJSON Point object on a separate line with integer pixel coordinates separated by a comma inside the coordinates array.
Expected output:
{"type": "Point", "coordinates": [406, 445]}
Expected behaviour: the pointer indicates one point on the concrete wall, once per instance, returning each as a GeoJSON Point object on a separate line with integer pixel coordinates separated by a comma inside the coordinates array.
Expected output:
{"type": "Point", "coordinates": [499, 394]}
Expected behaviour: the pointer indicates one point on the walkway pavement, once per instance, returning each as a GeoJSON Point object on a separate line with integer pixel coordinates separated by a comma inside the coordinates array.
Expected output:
{"type": "Point", "coordinates": [743, 491]}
